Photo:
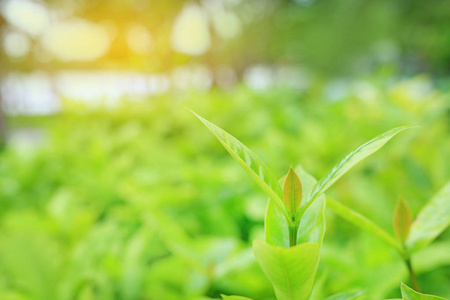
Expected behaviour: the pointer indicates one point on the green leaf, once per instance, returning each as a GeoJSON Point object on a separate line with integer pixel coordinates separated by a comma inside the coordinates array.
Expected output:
{"type": "Point", "coordinates": [431, 220]}
{"type": "Point", "coordinates": [257, 170]}
{"type": "Point", "coordinates": [312, 224]}
{"type": "Point", "coordinates": [345, 296]}
{"type": "Point", "coordinates": [292, 191]}
{"type": "Point", "coordinates": [348, 162]}
{"type": "Point", "coordinates": [224, 297]}
{"type": "Point", "coordinates": [402, 220]}
{"type": "Point", "coordinates": [410, 294]}
{"type": "Point", "coordinates": [362, 222]}
{"type": "Point", "coordinates": [291, 270]}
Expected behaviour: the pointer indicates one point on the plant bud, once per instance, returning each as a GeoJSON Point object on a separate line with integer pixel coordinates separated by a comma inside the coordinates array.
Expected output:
{"type": "Point", "coordinates": [402, 220]}
{"type": "Point", "coordinates": [292, 191]}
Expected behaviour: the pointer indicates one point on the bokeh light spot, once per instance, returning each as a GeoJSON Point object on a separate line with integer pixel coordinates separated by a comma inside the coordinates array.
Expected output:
{"type": "Point", "coordinates": [190, 33]}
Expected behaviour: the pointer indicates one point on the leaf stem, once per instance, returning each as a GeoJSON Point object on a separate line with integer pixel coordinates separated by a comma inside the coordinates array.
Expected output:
{"type": "Point", "coordinates": [293, 228]}
{"type": "Point", "coordinates": [364, 223]}
{"type": "Point", "coordinates": [412, 275]}
{"type": "Point", "coordinates": [293, 233]}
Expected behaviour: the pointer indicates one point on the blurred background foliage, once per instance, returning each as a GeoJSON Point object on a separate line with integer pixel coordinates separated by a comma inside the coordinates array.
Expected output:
{"type": "Point", "coordinates": [111, 189]}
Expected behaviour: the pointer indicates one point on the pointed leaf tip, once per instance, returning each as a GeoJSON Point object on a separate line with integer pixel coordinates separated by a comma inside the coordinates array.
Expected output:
{"type": "Point", "coordinates": [250, 162]}
{"type": "Point", "coordinates": [292, 191]}
{"type": "Point", "coordinates": [402, 220]}
{"type": "Point", "coordinates": [410, 294]}
{"type": "Point", "coordinates": [349, 161]}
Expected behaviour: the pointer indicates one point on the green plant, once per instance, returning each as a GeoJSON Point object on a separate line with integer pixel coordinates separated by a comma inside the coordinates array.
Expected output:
{"type": "Point", "coordinates": [294, 222]}
{"type": "Point", "coordinates": [410, 294]}
{"type": "Point", "coordinates": [412, 236]}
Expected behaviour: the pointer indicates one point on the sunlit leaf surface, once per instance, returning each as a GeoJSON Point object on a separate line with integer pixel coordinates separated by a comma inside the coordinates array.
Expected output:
{"type": "Point", "coordinates": [350, 160]}
{"type": "Point", "coordinates": [431, 220]}
{"type": "Point", "coordinates": [257, 170]}
{"type": "Point", "coordinates": [410, 294]}
{"type": "Point", "coordinates": [291, 270]}
{"type": "Point", "coordinates": [345, 296]}
{"type": "Point", "coordinates": [312, 224]}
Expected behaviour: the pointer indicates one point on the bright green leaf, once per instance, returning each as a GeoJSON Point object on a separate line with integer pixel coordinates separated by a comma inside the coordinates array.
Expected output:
{"type": "Point", "coordinates": [348, 162]}
{"type": "Point", "coordinates": [224, 297]}
{"type": "Point", "coordinates": [292, 191]}
{"type": "Point", "coordinates": [291, 270]}
{"type": "Point", "coordinates": [410, 294]}
{"type": "Point", "coordinates": [257, 170]}
{"type": "Point", "coordinates": [402, 220]}
{"type": "Point", "coordinates": [431, 220]}
{"type": "Point", "coordinates": [345, 296]}
{"type": "Point", "coordinates": [312, 225]}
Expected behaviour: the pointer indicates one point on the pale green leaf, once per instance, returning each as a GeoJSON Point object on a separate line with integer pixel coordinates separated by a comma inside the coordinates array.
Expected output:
{"type": "Point", "coordinates": [224, 297]}
{"type": "Point", "coordinates": [292, 191]}
{"type": "Point", "coordinates": [348, 162]}
{"type": "Point", "coordinates": [319, 287]}
{"type": "Point", "coordinates": [345, 296]}
{"type": "Point", "coordinates": [410, 294]}
{"type": "Point", "coordinates": [433, 218]}
{"type": "Point", "coordinates": [312, 224]}
{"type": "Point", "coordinates": [402, 220]}
{"type": "Point", "coordinates": [257, 170]}
{"type": "Point", "coordinates": [291, 270]}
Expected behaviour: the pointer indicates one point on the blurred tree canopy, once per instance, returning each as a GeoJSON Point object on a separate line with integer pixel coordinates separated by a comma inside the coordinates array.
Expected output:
{"type": "Point", "coordinates": [332, 37]}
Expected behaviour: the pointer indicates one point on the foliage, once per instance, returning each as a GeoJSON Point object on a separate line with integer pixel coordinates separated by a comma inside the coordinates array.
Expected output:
{"type": "Point", "coordinates": [137, 203]}
{"type": "Point", "coordinates": [292, 269]}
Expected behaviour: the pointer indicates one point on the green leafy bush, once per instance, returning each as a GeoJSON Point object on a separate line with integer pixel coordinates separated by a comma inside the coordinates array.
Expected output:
{"type": "Point", "coordinates": [111, 202]}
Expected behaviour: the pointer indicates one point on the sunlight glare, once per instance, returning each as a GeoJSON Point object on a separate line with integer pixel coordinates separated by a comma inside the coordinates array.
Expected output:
{"type": "Point", "coordinates": [139, 39]}
{"type": "Point", "coordinates": [16, 44]}
{"type": "Point", "coordinates": [190, 33]}
{"type": "Point", "coordinates": [77, 40]}
{"type": "Point", "coordinates": [227, 25]}
{"type": "Point", "coordinates": [31, 17]}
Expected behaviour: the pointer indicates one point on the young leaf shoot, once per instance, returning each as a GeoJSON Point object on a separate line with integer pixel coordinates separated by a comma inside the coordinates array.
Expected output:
{"type": "Point", "coordinates": [402, 220]}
